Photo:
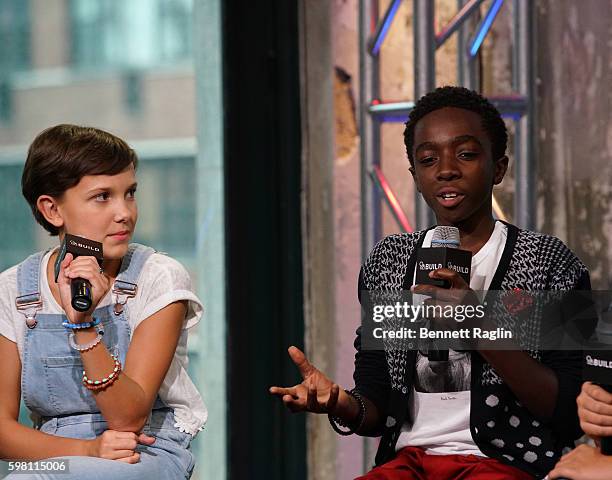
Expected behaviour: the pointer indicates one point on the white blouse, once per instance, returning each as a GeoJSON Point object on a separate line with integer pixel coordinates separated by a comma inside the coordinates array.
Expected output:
{"type": "Point", "coordinates": [162, 281]}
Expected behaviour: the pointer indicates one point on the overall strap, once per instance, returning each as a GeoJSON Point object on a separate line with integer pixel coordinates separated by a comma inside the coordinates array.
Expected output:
{"type": "Point", "coordinates": [29, 300]}
{"type": "Point", "coordinates": [126, 285]}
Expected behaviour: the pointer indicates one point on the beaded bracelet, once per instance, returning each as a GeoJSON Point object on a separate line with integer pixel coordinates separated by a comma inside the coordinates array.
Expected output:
{"type": "Point", "coordinates": [78, 326]}
{"type": "Point", "coordinates": [106, 381]}
{"type": "Point", "coordinates": [336, 422]}
{"type": "Point", "coordinates": [87, 346]}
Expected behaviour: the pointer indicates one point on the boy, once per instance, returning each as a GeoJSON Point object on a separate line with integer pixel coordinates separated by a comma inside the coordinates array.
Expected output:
{"type": "Point", "coordinates": [498, 423]}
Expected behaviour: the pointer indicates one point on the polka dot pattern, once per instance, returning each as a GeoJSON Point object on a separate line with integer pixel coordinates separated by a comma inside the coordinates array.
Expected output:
{"type": "Point", "coordinates": [535, 441]}
{"type": "Point", "coordinates": [539, 262]}
{"type": "Point", "coordinates": [530, 457]}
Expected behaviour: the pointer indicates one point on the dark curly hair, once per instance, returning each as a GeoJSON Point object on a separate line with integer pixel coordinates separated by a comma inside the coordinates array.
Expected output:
{"type": "Point", "coordinates": [459, 97]}
{"type": "Point", "coordinates": [60, 156]}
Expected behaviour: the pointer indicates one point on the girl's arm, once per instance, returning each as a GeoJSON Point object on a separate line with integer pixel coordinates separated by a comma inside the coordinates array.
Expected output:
{"type": "Point", "coordinates": [18, 442]}
{"type": "Point", "coordinates": [127, 403]}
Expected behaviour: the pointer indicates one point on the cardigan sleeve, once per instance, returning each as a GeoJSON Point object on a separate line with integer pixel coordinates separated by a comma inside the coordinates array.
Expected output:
{"type": "Point", "coordinates": [384, 270]}
{"type": "Point", "coordinates": [567, 365]}
{"type": "Point", "coordinates": [371, 374]}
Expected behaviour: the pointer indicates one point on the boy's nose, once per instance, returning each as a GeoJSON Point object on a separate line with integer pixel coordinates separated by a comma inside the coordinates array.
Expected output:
{"type": "Point", "coordinates": [447, 168]}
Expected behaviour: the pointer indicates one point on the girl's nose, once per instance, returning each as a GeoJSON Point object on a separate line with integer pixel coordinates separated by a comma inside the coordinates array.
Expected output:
{"type": "Point", "coordinates": [123, 211]}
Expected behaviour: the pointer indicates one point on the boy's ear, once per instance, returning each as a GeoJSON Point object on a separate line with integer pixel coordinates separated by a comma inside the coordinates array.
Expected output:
{"type": "Point", "coordinates": [501, 166]}
{"type": "Point", "coordinates": [48, 207]}
{"type": "Point", "coordinates": [416, 182]}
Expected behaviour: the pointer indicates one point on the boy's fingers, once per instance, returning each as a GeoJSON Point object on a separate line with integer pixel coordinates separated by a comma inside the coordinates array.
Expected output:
{"type": "Point", "coordinates": [292, 404]}
{"type": "Point", "coordinates": [284, 391]}
{"type": "Point", "coordinates": [424, 289]}
{"type": "Point", "coordinates": [333, 396]}
{"type": "Point", "coordinates": [443, 273]}
{"type": "Point", "coordinates": [300, 361]}
{"type": "Point", "coordinates": [311, 399]}
{"type": "Point", "coordinates": [456, 280]}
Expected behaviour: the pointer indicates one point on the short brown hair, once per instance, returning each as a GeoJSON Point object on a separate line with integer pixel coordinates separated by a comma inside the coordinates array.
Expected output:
{"type": "Point", "coordinates": [60, 156]}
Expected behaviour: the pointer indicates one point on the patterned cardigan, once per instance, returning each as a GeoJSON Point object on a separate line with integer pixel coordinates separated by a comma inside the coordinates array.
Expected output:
{"type": "Point", "coordinates": [501, 427]}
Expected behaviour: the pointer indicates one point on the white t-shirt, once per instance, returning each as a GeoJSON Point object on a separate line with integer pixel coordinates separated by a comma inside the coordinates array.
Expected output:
{"type": "Point", "coordinates": [162, 281]}
{"type": "Point", "coordinates": [441, 421]}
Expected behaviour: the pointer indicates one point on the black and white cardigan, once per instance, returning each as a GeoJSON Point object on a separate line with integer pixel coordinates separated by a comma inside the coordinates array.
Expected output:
{"type": "Point", "coordinates": [501, 427]}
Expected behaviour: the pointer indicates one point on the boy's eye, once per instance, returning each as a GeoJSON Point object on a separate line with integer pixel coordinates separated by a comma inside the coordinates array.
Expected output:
{"type": "Point", "coordinates": [467, 155]}
{"type": "Point", "coordinates": [131, 192]}
{"type": "Point", "coordinates": [427, 160]}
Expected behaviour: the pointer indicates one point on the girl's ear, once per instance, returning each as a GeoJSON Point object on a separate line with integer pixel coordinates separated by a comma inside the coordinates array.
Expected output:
{"type": "Point", "coordinates": [501, 166]}
{"type": "Point", "coordinates": [414, 177]}
{"type": "Point", "coordinates": [48, 207]}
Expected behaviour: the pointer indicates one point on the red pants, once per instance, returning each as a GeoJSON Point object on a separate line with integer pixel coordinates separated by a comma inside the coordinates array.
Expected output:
{"type": "Point", "coordinates": [412, 463]}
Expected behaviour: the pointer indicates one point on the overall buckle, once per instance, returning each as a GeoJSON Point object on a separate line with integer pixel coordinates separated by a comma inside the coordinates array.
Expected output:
{"type": "Point", "coordinates": [123, 291]}
{"type": "Point", "coordinates": [29, 305]}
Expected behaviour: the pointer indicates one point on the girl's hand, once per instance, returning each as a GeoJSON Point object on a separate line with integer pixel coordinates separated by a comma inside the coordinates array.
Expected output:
{"type": "Point", "coordinates": [595, 411]}
{"type": "Point", "coordinates": [81, 267]}
{"type": "Point", "coordinates": [583, 463]}
{"type": "Point", "coordinates": [121, 446]}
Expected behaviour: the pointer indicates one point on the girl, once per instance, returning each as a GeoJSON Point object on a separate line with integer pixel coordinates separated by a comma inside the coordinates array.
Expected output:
{"type": "Point", "coordinates": [107, 388]}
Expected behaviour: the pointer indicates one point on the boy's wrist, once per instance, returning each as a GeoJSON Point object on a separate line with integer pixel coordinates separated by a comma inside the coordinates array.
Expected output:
{"type": "Point", "coordinates": [347, 408]}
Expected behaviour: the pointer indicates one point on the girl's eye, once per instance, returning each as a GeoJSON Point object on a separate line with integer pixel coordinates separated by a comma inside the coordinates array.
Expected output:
{"type": "Point", "coordinates": [131, 192]}
{"type": "Point", "coordinates": [102, 196]}
{"type": "Point", "coordinates": [426, 160]}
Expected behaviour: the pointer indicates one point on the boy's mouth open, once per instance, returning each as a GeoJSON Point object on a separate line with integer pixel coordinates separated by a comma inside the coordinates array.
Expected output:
{"type": "Point", "coordinates": [450, 199]}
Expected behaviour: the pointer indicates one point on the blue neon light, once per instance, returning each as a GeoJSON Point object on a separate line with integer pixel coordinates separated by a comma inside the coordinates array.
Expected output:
{"type": "Point", "coordinates": [400, 118]}
{"type": "Point", "coordinates": [388, 20]}
{"type": "Point", "coordinates": [484, 28]}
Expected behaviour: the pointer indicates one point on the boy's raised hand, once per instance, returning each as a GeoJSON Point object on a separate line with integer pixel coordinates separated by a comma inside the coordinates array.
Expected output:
{"type": "Point", "coordinates": [317, 393]}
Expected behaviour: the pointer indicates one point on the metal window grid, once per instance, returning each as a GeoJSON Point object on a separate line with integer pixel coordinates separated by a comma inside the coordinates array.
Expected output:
{"type": "Point", "coordinates": [519, 106]}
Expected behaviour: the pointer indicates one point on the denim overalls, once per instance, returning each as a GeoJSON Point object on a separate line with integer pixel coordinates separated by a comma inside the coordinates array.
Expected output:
{"type": "Point", "coordinates": [51, 382]}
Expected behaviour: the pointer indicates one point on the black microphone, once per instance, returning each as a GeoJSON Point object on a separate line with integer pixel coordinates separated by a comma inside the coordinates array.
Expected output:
{"type": "Point", "coordinates": [443, 253]}
{"type": "Point", "coordinates": [597, 366]}
{"type": "Point", "coordinates": [79, 287]}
